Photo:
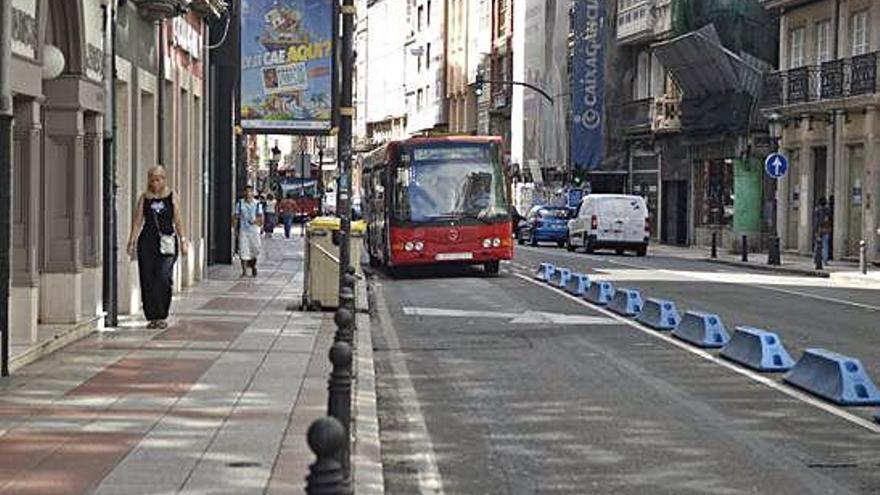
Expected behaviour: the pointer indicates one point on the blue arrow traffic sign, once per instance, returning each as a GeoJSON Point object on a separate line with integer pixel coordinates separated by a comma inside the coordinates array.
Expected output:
{"type": "Point", "coordinates": [776, 165]}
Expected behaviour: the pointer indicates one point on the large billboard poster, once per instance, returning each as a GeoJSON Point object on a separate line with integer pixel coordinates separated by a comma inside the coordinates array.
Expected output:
{"type": "Point", "coordinates": [287, 65]}
{"type": "Point", "coordinates": [587, 86]}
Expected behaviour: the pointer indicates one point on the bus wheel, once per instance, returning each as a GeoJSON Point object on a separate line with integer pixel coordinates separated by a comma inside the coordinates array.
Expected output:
{"type": "Point", "coordinates": [492, 267]}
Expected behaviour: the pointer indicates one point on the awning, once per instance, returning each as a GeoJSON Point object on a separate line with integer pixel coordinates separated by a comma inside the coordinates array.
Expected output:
{"type": "Point", "coordinates": [701, 65]}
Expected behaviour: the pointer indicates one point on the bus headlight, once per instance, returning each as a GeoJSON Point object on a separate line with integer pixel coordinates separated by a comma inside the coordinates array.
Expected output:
{"type": "Point", "coordinates": [408, 246]}
{"type": "Point", "coordinates": [496, 242]}
{"type": "Point", "coordinates": [419, 246]}
{"type": "Point", "coordinates": [487, 243]}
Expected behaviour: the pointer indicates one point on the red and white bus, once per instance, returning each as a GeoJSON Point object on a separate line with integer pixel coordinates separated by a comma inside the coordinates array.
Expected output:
{"type": "Point", "coordinates": [432, 200]}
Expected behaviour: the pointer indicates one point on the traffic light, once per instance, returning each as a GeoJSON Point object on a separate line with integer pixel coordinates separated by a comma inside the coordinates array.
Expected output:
{"type": "Point", "coordinates": [478, 84]}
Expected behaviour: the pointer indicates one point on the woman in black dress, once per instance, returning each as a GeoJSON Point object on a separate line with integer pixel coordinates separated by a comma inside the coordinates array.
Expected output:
{"type": "Point", "coordinates": [157, 214]}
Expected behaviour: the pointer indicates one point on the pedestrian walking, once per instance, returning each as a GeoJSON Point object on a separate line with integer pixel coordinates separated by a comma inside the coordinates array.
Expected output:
{"type": "Point", "coordinates": [271, 214]}
{"type": "Point", "coordinates": [157, 233]}
{"type": "Point", "coordinates": [248, 221]}
{"type": "Point", "coordinates": [286, 209]}
{"type": "Point", "coordinates": [824, 225]}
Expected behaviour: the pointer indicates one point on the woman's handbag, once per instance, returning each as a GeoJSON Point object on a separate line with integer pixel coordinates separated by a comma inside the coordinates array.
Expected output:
{"type": "Point", "coordinates": [167, 242]}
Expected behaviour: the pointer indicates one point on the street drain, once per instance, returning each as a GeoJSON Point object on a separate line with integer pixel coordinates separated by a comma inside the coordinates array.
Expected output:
{"type": "Point", "coordinates": [242, 464]}
{"type": "Point", "coordinates": [832, 465]}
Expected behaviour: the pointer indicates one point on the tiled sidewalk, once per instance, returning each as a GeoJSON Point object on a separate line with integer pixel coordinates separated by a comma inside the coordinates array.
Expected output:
{"type": "Point", "coordinates": [202, 407]}
{"type": "Point", "coordinates": [844, 272]}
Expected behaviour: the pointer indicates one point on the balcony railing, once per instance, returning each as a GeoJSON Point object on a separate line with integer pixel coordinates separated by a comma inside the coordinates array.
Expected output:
{"type": "Point", "coordinates": [666, 115]}
{"type": "Point", "coordinates": [835, 79]}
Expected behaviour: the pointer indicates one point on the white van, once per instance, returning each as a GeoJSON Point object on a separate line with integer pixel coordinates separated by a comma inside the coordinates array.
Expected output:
{"type": "Point", "coordinates": [610, 221]}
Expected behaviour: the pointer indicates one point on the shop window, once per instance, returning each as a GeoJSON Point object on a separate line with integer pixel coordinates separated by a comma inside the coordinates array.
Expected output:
{"type": "Point", "coordinates": [715, 192]}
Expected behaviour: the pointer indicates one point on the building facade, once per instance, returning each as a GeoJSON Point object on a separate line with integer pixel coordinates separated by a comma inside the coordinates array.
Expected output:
{"type": "Point", "coordinates": [693, 139]}
{"type": "Point", "coordinates": [426, 53]}
{"type": "Point", "coordinates": [385, 90]}
{"type": "Point", "coordinates": [58, 76]}
{"type": "Point", "coordinates": [826, 93]}
{"type": "Point", "coordinates": [468, 43]}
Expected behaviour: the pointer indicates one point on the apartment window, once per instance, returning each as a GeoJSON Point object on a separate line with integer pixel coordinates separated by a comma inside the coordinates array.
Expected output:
{"type": "Point", "coordinates": [859, 30]}
{"type": "Point", "coordinates": [796, 48]}
{"type": "Point", "coordinates": [419, 63]}
{"type": "Point", "coordinates": [429, 14]}
{"type": "Point", "coordinates": [428, 56]}
{"type": "Point", "coordinates": [421, 16]}
{"type": "Point", "coordinates": [419, 100]}
{"type": "Point", "coordinates": [823, 41]}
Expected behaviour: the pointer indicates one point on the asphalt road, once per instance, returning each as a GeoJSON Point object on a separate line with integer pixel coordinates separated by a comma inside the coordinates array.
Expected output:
{"type": "Point", "coordinates": [500, 385]}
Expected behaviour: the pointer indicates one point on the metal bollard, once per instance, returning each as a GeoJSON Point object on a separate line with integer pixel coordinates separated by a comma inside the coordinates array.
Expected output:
{"type": "Point", "coordinates": [774, 255]}
{"type": "Point", "coordinates": [339, 396]}
{"type": "Point", "coordinates": [346, 299]}
{"type": "Point", "coordinates": [863, 257]}
{"type": "Point", "coordinates": [817, 253]}
{"type": "Point", "coordinates": [345, 327]}
{"type": "Point", "coordinates": [714, 245]}
{"type": "Point", "coordinates": [326, 437]}
{"type": "Point", "coordinates": [745, 249]}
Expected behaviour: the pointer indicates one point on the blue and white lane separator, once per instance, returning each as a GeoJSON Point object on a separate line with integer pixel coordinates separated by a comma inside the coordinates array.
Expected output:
{"type": "Point", "coordinates": [754, 376]}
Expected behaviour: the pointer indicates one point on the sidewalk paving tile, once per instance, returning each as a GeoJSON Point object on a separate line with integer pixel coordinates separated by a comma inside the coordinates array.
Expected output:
{"type": "Point", "coordinates": [217, 403]}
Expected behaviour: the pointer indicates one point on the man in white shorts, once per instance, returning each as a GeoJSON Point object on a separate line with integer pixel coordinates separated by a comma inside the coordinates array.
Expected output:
{"type": "Point", "coordinates": [249, 221]}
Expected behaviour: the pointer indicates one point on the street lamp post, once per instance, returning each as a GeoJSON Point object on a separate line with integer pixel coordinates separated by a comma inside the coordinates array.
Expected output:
{"type": "Point", "coordinates": [775, 126]}
{"type": "Point", "coordinates": [273, 169]}
{"type": "Point", "coordinates": [321, 143]}
{"type": "Point", "coordinates": [302, 166]}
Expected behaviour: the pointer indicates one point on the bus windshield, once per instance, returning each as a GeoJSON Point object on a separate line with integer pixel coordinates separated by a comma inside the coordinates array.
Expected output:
{"type": "Point", "coordinates": [450, 181]}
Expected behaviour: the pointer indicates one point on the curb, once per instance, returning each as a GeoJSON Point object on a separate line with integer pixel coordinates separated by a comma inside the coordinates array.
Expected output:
{"type": "Point", "coordinates": [366, 460]}
{"type": "Point", "coordinates": [769, 268]}
{"type": "Point", "coordinates": [63, 337]}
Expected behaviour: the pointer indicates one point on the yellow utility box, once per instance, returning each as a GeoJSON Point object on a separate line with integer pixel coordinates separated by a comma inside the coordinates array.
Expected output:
{"type": "Point", "coordinates": [321, 262]}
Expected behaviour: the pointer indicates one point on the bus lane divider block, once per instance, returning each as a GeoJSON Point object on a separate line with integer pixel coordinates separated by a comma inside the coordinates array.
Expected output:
{"type": "Point", "coordinates": [545, 272]}
{"type": "Point", "coordinates": [659, 314]}
{"type": "Point", "coordinates": [835, 377]}
{"type": "Point", "coordinates": [578, 284]}
{"type": "Point", "coordinates": [757, 349]}
{"type": "Point", "coordinates": [626, 302]}
{"type": "Point", "coordinates": [704, 330]}
{"type": "Point", "coordinates": [564, 275]}
{"type": "Point", "coordinates": [600, 292]}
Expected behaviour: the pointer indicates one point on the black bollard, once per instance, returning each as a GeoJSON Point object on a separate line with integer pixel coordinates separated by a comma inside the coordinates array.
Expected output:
{"type": "Point", "coordinates": [745, 249]}
{"type": "Point", "coordinates": [774, 255]}
{"type": "Point", "coordinates": [863, 257]}
{"type": "Point", "coordinates": [326, 437]}
{"type": "Point", "coordinates": [345, 326]}
{"type": "Point", "coordinates": [339, 395]}
{"type": "Point", "coordinates": [346, 299]}
{"type": "Point", "coordinates": [714, 245]}
{"type": "Point", "coordinates": [817, 253]}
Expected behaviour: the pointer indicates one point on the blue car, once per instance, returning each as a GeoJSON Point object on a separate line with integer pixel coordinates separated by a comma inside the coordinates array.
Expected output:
{"type": "Point", "coordinates": [545, 224]}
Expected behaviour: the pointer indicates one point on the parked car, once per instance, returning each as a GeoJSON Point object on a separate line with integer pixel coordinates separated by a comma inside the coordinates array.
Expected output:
{"type": "Point", "coordinates": [518, 222]}
{"type": "Point", "coordinates": [610, 221]}
{"type": "Point", "coordinates": [545, 224]}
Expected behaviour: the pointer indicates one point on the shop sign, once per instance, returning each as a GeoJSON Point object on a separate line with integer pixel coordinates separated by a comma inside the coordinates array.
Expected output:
{"type": "Point", "coordinates": [186, 37]}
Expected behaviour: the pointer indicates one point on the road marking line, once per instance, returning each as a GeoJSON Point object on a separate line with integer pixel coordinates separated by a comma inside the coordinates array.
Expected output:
{"type": "Point", "coordinates": [527, 317]}
{"type": "Point", "coordinates": [791, 392]}
{"type": "Point", "coordinates": [759, 285]}
{"type": "Point", "coordinates": [423, 456]}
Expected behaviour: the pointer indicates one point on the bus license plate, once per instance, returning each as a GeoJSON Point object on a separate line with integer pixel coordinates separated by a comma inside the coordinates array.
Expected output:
{"type": "Point", "coordinates": [454, 256]}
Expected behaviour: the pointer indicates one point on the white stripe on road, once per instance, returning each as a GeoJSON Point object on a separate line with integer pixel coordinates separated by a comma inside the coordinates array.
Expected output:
{"type": "Point", "coordinates": [757, 377]}
{"type": "Point", "coordinates": [422, 457]}
{"type": "Point", "coordinates": [528, 317]}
